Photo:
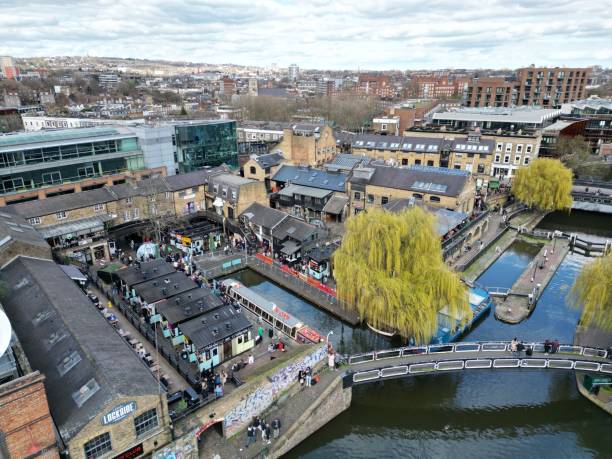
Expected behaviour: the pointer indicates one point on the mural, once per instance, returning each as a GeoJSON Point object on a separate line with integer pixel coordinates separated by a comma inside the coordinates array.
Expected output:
{"type": "Point", "coordinates": [259, 400]}
{"type": "Point", "coordinates": [186, 447]}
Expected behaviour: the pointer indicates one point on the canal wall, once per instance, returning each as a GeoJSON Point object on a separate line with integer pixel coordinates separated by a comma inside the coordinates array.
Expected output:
{"type": "Point", "coordinates": [523, 296]}
{"type": "Point", "coordinates": [333, 401]}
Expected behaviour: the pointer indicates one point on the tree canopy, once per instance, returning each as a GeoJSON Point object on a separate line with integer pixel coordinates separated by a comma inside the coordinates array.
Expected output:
{"type": "Point", "coordinates": [545, 184]}
{"type": "Point", "coordinates": [592, 291]}
{"type": "Point", "coordinates": [389, 268]}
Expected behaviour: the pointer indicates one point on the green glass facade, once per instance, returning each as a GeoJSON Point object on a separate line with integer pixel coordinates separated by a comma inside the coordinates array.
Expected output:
{"type": "Point", "coordinates": [25, 168]}
{"type": "Point", "coordinates": [208, 144]}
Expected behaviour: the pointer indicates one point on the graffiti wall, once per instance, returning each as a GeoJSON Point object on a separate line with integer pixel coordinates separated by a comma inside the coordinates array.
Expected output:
{"type": "Point", "coordinates": [186, 447]}
{"type": "Point", "coordinates": [260, 399]}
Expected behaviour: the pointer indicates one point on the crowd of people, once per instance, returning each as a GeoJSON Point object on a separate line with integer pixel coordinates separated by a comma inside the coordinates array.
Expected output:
{"type": "Point", "coordinates": [261, 427]}
{"type": "Point", "coordinates": [517, 347]}
{"type": "Point", "coordinates": [213, 382]}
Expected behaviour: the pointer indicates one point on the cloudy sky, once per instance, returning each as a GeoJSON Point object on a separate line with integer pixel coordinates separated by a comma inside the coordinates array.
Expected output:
{"type": "Point", "coordinates": [340, 34]}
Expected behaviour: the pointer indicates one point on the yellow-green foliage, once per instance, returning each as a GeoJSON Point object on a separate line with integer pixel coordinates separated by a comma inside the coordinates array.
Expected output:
{"type": "Point", "coordinates": [593, 292]}
{"type": "Point", "coordinates": [390, 269]}
{"type": "Point", "coordinates": [545, 184]}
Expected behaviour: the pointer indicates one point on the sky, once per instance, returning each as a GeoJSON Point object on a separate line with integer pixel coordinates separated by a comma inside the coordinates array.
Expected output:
{"type": "Point", "coordinates": [317, 34]}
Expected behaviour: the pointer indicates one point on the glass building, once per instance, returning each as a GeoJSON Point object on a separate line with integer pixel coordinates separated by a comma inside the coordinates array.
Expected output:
{"type": "Point", "coordinates": [33, 160]}
{"type": "Point", "coordinates": [206, 144]}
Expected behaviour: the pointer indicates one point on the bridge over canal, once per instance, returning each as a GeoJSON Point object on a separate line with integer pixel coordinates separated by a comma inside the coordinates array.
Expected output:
{"type": "Point", "coordinates": [445, 358]}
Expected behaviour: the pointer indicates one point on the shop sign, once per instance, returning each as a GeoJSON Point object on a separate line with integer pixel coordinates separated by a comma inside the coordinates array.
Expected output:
{"type": "Point", "coordinates": [119, 413]}
{"type": "Point", "coordinates": [131, 453]}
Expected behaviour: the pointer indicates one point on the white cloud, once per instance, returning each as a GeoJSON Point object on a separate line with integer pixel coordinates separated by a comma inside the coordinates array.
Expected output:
{"type": "Point", "coordinates": [339, 34]}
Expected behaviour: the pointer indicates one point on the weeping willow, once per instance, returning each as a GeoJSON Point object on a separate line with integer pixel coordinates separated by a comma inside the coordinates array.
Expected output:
{"type": "Point", "coordinates": [389, 268]}
{"type": "Point", "coordinates": [592, 291]}
{"type": "Point", "coordinates": [545, 184]}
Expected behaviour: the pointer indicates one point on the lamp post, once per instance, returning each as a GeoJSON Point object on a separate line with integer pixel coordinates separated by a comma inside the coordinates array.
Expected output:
{"type": "Point", "coordinates": [331, 332]}
{"type": "Point", "coordinates": [535, 267]}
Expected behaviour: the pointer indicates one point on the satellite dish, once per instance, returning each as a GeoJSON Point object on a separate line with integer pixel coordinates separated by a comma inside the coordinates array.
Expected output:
{"type": "Point", "coordinates": [5, 333]}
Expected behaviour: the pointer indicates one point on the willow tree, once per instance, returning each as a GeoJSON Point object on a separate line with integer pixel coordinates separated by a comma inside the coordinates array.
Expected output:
{"type": "Point", "coordinates": [593, 292]}
{"type": "Point", "coordinates": [545, 184]}
{"type": "Point", "coordinates": [389, 268]}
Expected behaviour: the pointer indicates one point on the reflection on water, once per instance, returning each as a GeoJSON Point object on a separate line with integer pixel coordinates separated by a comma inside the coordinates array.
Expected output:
{"type": "Point", "coordinates": [507, 413]}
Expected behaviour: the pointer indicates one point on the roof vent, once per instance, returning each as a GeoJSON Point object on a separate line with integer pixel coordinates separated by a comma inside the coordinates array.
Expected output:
{"type": "Point", "coordinates": [177, 300]}
{"type": "Point", "coordinates": [166, 280]}
{"type": "Point", "coordinates": [187, 310]}
{"type": "Point", "coordinates": [228, 325]}
{"type": "Point", "coordinates": [155, 283]}
{"type": "Point", "coordinates": [163, 290]}
{"type": "Point", "coordinates": [216, 316]}
{"type": "Point", "coordinates": [215, 331]}
{"type": "Point", "coordinates": [176, 286]}
{"type": "Point", "coordinates": [204, 321]}
{"type": "Point", "coordinates": [154, 270]}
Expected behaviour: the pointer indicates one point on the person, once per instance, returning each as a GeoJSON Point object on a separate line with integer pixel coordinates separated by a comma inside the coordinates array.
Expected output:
{"type": "Point", "coordinates": [132, 244]}
{"type": "Point", "coordinates": [331, 357]}
{"type": "Point", "coordinates": [547, 346]}
{"type": "Point", "coordinates": [251, 360]}
{"type": "Point", "coordinates": [270, 347]}
{"type": "Point", "coordinates": [223, 378]}
{"type": "Point", "coordinates": [520, 347]}
{"type": "Point", "coordinates": [218, 391]}
{"type": "Point", "coordinates": [257, 423]}
{"type": "Point", "coordinates": [514, 345]}
{"type": "Point", "coordinates": [308, 376]}
{"type": "Point", "coordinates": [276, 425]}
{"type": "Point", "coordinates": [204, 386]}
{"type": "Point", "coordinates": [217, 379]}
{"type": "Point", "coordinates": [260, 331]}
{"type": "Point", "coordinates": [301, 377]}
{"type": "Point", "coordinates": [554, 347]}
{"type": "Point", "coordinates": [268, 436]}
{"type": "Point", "coordinates": [250, 439]}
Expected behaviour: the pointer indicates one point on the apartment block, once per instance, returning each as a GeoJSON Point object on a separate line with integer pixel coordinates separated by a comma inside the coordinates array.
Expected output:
{"type": "Point", "coordinates": [550, 87]}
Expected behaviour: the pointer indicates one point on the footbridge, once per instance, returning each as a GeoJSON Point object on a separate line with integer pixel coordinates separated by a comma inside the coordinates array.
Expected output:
{"type": "Point", "coordinates": [445, 358]}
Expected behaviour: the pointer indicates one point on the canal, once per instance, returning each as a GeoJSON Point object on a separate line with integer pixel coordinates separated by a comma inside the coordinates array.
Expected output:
{"type": "Point", "coordinates": [482, 414]}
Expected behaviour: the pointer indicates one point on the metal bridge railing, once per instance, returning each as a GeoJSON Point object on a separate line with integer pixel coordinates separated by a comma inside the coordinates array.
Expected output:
{"type": "Point", "coordinates": [489, 346]}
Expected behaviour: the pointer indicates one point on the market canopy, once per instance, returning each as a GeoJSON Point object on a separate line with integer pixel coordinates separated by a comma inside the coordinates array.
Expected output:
{"type": "Point", "coordinates": [75, 228]}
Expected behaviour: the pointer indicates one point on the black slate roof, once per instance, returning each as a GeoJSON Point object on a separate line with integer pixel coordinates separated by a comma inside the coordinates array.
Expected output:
{"type": "Point", "coordinates": [87, 365]}
{"type": "Point", "coordinates": [431, 180]}
{"type": "Point", "coordinates": [215, 326]}
{"type": "Point", "coordinates": [264, 216]}
{"type": "Point", "coordinates": [164, 287]}
{"type": "Point", "coordinates": [70, 201]}
{"type": "Point", "coordinates": [269, 160]}
{"type": "Point", "coordinates": [144, 272]}
{"type": "Point", "coordinates": [188, 305]}
{"type": "Point", "coordinates": [295, 229]}
{"type": "Point", "coordinates": [316, 178]}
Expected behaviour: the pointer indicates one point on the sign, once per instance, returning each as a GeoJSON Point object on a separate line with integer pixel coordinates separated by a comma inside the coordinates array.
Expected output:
{"type": "Point", "coordinates": [119, 413]}
{"type": "Point", "coordinates": [280, 312]}
{"type": "Point", "coordinates": [131, 453]}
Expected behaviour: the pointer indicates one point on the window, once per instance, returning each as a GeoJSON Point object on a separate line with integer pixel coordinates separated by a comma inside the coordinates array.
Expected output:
{"type": "Point", "coordinates": [384, 200]}
{"type": "Point", "coordinates": [136, 213]}
{"type": "Point", "coordinates": [216, 188]}
{"type": "Point", "coordinates": [86, 171]}
{"type": "Point", "coordinates": [383, 127]}
{"type": "Point", "coordinates": [168, 195]}
{"type": "Point", "coordinates": [417, 196]}
{"type": "Point", "coordinates": [61, 215]}
{"type": "Point", "coordinates": [507, 159]}
{"type": "Point", "coordinates": [508, 147]}
{"type": "Point", "coordinates": [497, 158]}
{"type": "Point", "coordinates": [434, 198]}
{"type": "Point", "coordinates": [98, 446]}
{"type": "Point", "coordinates": [370, 198]}
{"type": "Point", "coordinates": [430, 162]}
{"type": "Point", "coordinates": [34, 221]}
{"type": "Point", "coordinates": [404, 161]}
{"type": "Point", "coordinates": [129, 200]}
{"type": "Point", "coordinates": [98, 207]}
{"type": "Point", "coordinates": [417, 162]}
{"type": "Point", "coordinates": [146, 421]}
{"type": "Point", "coordinates": [253, 170]}
{"type": "Point", "coordinates": [517, 159]}
{"type": "Point", "coordinates": [500, 146]}
{"type": "Point", "coordinates": [457, 166]}
{"type": "Point", "coordinates": [529, 148]}
{"type": "Point", "coordinates": [481, 168]}
{"type": "Point", "coordinates": [357, 195]}
{"type": "Point", "coordinates": [234, 195]}
{"type": "Point", "coordinates": [519, 148]}
{"type": "Point", "coordinates": [526, 161]}
{"type": "Point", "coordinates": [49, 178]}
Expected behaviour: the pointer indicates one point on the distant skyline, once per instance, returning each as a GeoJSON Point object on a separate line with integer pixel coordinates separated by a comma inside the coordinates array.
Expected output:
{"type": "Point", "coordinates": [318, 34]}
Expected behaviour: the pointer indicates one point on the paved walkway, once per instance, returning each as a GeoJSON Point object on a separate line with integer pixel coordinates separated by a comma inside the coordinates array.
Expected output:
{"type": "Point", "coordinates": [493, 231]}
{"type": "Point", "coordinates": [516, 307]}
{"type": "Point", "coordinates": [288, 409]}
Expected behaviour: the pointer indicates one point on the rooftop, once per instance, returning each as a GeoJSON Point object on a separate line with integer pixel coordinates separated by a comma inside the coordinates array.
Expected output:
{"type": "Point", "coordinates": [270, 160]}
{"type": "Point", "coordinates": [295, 229]}
{"type": "Point", "coordinates": [446, 219]}
{"type": "Point", "coordinates": [347, 162]}
{"type": "Point", "coordinates": [164, 287]}
{"type": "Point", "coordinates": [317, 178]}
{"type": "Point", "coordinates": [84, 359]}
{"type": "Point", "coordinates": [73, 135]}
{"type": "Point", "coordinates": [188, 305]}
{"type": "Point", "coordinates": [263, 216]}
{"type": "Point", "coordinates": [527, 115]}
{"type": "Point", "coordinates": [291, 190]}
{"type": "Point", "coordinates": [431, 180]}
{"type": "Point", "coordinates": [64, 202]}
{"type": "Point", "coordinates": [143, 272]}
{"type": "Point", "coordinates": [215, 326]}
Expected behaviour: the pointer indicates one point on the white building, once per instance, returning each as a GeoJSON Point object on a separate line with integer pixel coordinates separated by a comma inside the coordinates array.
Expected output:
{"type": "Point", "coordinates": [294, 72]}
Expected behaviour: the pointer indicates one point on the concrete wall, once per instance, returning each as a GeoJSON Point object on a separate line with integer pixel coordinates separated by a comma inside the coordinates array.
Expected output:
{"type": "Point", "coordinates": [333, 401]}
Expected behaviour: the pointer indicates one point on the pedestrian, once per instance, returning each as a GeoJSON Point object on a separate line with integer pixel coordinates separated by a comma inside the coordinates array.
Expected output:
{"type": "Point", "coordinates": [276, 426]}
{"type": "Point", "coordinates": [554, 347]}
{"type": "Point", "coordinates": [301, 377]}
{"type": "Point", "coordinates": [308, 376]}
{"type": "Point", "coordinates": [268, 436]}
{"type": "Point", "coordinates": [520, 347]}
{"type": "Point", "coordinates": [514, 345]}
{"type": "Point", "coordinates": [251, 360]}
{"type": "Point", "coordinates": [257, 423]}
{"type": "Point", "coordinates": [263, 431]}
{"type": "Point", "coordinates": [132, 244]}
{"type": "Point", "coordinates": [249, 436]}
{"type": "Point", "coordinates": [223, 377]}
{"type": "Point", "coordinates": [217, 379]}
{"type": "Point", "coordinates": [547, 346]}
{"type": "Point", "coordinates": [260, 332]}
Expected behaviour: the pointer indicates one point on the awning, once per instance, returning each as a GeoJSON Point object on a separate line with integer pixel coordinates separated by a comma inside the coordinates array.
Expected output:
{"type": "Point", "coordinates": [290, 247]}
{"type": "Point", "coordinates": [493, 185]}
{"type": "Point", "coordinates": [335, 205]}
{"type": "Point", "coordinates": [76, 227]}
{"type": "Point", "coordinates": [74, 273]}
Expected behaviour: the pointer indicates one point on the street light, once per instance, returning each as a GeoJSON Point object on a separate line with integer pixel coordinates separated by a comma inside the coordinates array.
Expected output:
{"type": "Point", "coordinates": [331, 332]}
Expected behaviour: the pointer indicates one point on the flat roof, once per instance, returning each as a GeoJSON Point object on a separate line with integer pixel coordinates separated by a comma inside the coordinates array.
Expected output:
{"type": "Point", "coordinates": [290, 190]}
{"type": "Point", "coordinates": [504, 115]}
{"type": "Point", "coordinates": [215, 326]}
{"type": "Point", "coordinates": [38, 139]}
{"type": "Point", "coordinates": [188, 305]}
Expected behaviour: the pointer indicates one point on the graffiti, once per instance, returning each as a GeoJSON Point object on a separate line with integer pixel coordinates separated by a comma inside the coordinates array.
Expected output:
{"type": "Point", "coordinates": [185, 447]}
{"type": "Point", "coordinates": [259, 400]}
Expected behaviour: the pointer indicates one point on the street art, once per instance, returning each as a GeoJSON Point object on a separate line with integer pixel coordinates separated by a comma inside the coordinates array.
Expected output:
{"type": "Point", "coordinates": [185, 447]}
{"type": "Point", "coordinates": [260, 399]}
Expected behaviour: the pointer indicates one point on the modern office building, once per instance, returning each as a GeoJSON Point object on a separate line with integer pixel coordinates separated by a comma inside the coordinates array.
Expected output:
{"type": "Point", "coordinates": [202, 144]}
{"type": "Point", "coordinates": [41, 164]}
{"type": "Point", "coordinates": [506, 119]}
{"type": "Point", "coordinates": [39, 123]}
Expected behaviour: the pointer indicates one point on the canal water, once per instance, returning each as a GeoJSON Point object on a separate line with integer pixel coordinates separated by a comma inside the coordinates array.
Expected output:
{"type": "Point", "coordinates": [501, 413]}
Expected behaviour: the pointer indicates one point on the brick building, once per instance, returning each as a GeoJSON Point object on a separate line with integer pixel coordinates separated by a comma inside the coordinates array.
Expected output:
{"type": "Point", "coordinates": [308, 144]}
{"type": "Point", "coordinates": [550, 87]}
{"type": "Point", "coordinates": [489, 92]}
{"type": "Point", "coordinates": [375, 85]}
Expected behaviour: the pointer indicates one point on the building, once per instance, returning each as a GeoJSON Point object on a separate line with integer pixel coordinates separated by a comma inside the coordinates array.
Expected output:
{"type": "Point", "coordinates": [202, 144]}
{"type": "Point", "coordinates": [434, 87]}
{"type": "Point", "coordinates": [376, 86]}
{"type": "Point", "coordinates": [294, 72]}
{"type": "Point", "coordinates": [11, 99]}
{"type": "Point", "coordinates": [37, 123]}
{"type": "Point", "coordinates": [332, 180]}
{"type": "Point", "coordinates": [308, 144]}
{"type": "Point", "coordinates": [35, 165]}
{"type": "Point", "coordinates": [229, 195]}
{"type": "Point", "coordinates": [411, 113]}
{"type": "Point", "coordinates": [446, 188]}
{"type": "Point", "coordinates": [386, 125]}
{"type": "Point", "coordinates": [550, 87]}
{"type": "Point", "coordinates": [109, 80]}
{"type": "Point", "coordinates": [252, 89]}
{"type": "Point", "coordinates": [596, 114]}
{"type": "Point", "coordinates": [263, 167]}
{"type": "Point", "coordinates": [227, 86]}
{"type": "Point", "coordinates": [8, 68]}
{"type": "Point", "coordinates": [561, 128]}
{"type": "Point", "coordinates": [506, 119]}
{"type": "Point", "coordinates": [346, 162]}
{"type": "Point", "coordinates": [489, 92]}
{"type": "Point", "coordinates": [258, 137]}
